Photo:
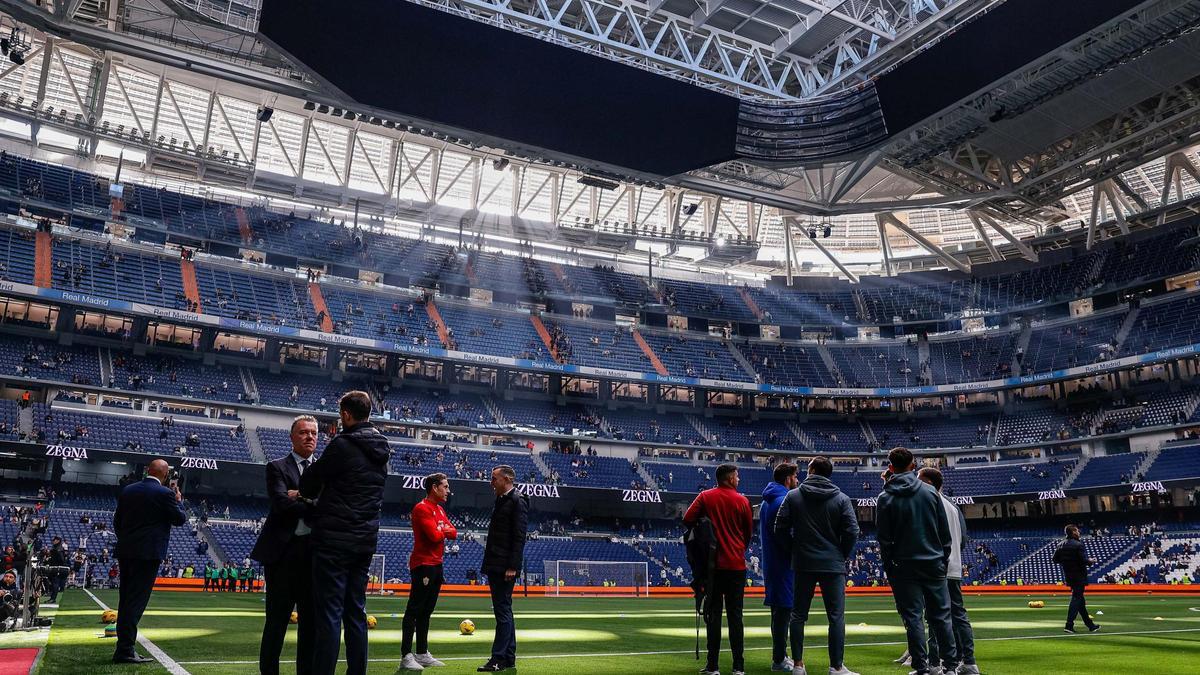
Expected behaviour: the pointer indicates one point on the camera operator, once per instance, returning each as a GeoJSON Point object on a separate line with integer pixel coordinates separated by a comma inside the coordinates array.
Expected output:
{"type": "Point", "coordinates": [10, 599]}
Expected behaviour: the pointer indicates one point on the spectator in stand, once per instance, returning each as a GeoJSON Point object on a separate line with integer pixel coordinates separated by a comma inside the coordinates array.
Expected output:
{"type": "Point", "coordinates": [733, 524]}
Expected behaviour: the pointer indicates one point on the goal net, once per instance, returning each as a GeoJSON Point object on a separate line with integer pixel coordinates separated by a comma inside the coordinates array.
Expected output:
{"type": "Point", "coordinates": [590, 577]}
{"type": "Point", "coordinates": [377, 575]}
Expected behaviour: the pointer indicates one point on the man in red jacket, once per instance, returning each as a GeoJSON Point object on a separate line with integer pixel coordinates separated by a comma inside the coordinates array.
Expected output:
{"type": "Point", "coordinates": [733, 525]}
{"type": "Point", "coordinates": [431, 528]}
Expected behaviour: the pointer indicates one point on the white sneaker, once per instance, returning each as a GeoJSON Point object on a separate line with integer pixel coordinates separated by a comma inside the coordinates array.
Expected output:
{"type": "Point", "coordinates": [410, 662]}
{"type": "Point", "coordinates": [841, 671]}
{"type": "Point", "coordinates": [706, 671]}
{"type": "Point", "coordinates": [907, 661]}
{"type": "Point", "coordinates": [968, 669]}
{"type": "Point", "coordinates": [784, 666]}
{"type": "Point", "coordinates": [904, 658]}
{"type": "Point", "coordinates": [799, 670]}
{"type": "Point", "coordinates": [428, 661]}
{"type": "Point", "coordinates": [936, 670]}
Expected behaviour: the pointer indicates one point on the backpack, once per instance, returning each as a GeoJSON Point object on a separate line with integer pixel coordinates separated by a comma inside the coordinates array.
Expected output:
{"type": "Point", "coordinates": [700, 541]}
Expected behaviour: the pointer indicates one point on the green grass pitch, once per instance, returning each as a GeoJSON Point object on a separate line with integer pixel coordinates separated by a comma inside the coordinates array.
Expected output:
{"type": "Point", "coordinates": [219, 635]}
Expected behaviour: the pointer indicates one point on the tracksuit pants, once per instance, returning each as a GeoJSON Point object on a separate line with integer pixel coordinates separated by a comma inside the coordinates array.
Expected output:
{"type": "Point", "coordinates": [833, 593]}
{"type": "Point", "coordinates": [964, 635]}
{"type": "Point", "coordinates": [422, 598]}
{"type": "Point", "coordinates": [728, 595]}
{"type": "Point", "coordinates": [920, 599]}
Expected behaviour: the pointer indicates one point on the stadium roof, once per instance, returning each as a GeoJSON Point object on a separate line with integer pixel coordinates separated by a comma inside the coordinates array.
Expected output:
{"type": "Point", "coordinates": [1095, 131]}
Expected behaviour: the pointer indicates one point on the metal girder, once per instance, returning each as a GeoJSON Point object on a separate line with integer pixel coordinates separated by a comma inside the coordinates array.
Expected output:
{"type": "Point", "coordinates": [820, 247]}
{"type": "Point", "coordinates": [642, 34]}
{"type": "Point", "coordinates": [899, 221]}
{"type": "Point", "coordinates": [1106, 192]}
{"type": "Point", "coordinates": [979, 218]}
{"type": "Point", "coordinates": [1177, 164]}
{"type": "Point", "coordinates": [983, 236]}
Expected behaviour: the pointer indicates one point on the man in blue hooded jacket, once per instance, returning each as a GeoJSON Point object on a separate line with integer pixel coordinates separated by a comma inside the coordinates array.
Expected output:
{"type": "Point", "coordinates": [777, 564]}
{"type": "Point", "coordinates": [915, 544]}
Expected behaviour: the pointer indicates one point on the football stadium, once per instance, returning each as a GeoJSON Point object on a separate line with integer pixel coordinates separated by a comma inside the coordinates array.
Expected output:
{"type": "Point", "coordinates": [599, 336]}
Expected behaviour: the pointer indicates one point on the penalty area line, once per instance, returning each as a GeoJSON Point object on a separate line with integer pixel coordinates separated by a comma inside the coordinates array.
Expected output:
{"type": "Point", "coordinates": [159, 655]}
{"type": "Point", "coordinates": [749, 649]}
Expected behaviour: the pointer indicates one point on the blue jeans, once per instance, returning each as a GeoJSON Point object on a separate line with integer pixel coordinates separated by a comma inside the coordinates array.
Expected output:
{"type": "Point", "coordinates": [339, 603]}
{"type": "Point", "coordinates": [504, 645]}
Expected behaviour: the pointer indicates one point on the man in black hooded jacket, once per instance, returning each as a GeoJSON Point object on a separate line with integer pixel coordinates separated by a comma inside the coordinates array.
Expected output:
{"type": "Point", "coordinates": [347, 485]}
{"type": "Point", "coordinates": [914, 545]}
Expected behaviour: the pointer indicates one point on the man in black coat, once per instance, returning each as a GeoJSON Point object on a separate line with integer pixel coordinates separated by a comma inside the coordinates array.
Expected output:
{"type": "Point", "coordinates": [146, 511]}
{"type": "Point", "coordinates": [1073, 559]}
{"type": "Point", "coordinates": [347, 484]}
{"type": "Point", "coordinates": [283, 549]}
{"type": "Point", "coordinates": [503, 558]}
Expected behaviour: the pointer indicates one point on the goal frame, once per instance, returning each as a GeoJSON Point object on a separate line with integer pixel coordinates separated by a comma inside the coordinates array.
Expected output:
{"type": "Point", "coordinates": [556, 590]}
{"type": "Point", "coordinates": [377, 574]}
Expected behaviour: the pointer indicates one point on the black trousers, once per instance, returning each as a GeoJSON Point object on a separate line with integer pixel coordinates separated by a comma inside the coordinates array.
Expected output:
{"type": "Point", "coordinates": [964, 635]}
{"type": "Point", "coordinates": [504, 643]}
{"type": "Point", "coordinates": [1078, 608]}
{"type": "Point", "coordinates": [781, 621]}
{"type": "Point", "coordinates": [289, 586]}
{"type": "Point", "coordinates": [427, 583]}
{"type": "Point", "coordinates": [833, 595]}
{"type": "Point", "coordinates": [137, 582]}
{"type": "Point", "coordinates": [728, 594]}
{"type": "Point", "coordinates": [339, 604]}
{"type": "Point", "coordinates": [918, 600]}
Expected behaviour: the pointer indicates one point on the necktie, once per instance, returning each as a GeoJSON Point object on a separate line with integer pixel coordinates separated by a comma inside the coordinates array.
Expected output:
{"type": "Point", "coordinates": [303, 466]}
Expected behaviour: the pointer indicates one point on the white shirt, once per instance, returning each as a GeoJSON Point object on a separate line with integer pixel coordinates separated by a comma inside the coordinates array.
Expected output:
{"type": "Point", "coordinates": [302, 528]}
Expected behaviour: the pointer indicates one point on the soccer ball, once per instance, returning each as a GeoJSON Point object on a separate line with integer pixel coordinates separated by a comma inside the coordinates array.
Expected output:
{"type": "Point", "coordinates": [467, 627]}
{"type": "Point", "coordinates": [295, 618]}
{"type": "Point", "coordinates": [108, 616]}
{"type": "Point", "coordinates": [110, 630]}
{"type": "Point", "coordinates": [1037, 604]}
{"type": "Point", "coordinates": [372, 621]}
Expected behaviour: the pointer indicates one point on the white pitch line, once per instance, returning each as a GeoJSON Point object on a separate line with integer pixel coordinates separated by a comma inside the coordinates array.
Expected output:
{"type": "Point", "coordinates": [169, 663]}
{"type": "Point", "coordinates": [1064, 636]}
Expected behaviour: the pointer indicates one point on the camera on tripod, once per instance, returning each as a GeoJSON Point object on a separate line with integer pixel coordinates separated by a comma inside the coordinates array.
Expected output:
{"type": "Point", "coordinates": [20, 603]}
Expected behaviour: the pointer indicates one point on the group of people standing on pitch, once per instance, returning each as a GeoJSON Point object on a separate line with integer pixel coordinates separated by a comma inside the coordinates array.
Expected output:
{"type": "Point", "coordinates": [808, 529]}
{"type": "Point", "coordinates": [317, 544]}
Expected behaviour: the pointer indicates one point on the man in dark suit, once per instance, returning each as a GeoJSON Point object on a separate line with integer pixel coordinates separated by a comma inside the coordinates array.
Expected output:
{"type": "Point", "coordinates": [145, 513]}
{"type": "Point", "coordinates": [347, 484]}
{"type": "Point", "coordinates": [1073, 559]}
{"type": "Point", "coordinates": [283, 549]}
{"type": "Point", "coordinates": [503, 558]}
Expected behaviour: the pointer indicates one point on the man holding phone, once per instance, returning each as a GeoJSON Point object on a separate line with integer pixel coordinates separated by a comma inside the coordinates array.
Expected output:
{"type": "Point", "coordinates": [146, 511]}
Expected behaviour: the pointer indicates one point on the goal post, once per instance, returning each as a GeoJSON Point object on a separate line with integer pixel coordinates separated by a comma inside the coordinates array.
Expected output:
{"type": "Point", "coordinates": [377, 575]}
{"type": "Point", "coordinates": [575, 578]}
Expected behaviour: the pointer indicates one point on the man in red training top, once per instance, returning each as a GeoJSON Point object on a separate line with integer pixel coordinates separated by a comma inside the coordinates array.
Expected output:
{"type": "Point", "coordinates": [431, 528]}
{"type": "Point", "coordinates": [733, 525]}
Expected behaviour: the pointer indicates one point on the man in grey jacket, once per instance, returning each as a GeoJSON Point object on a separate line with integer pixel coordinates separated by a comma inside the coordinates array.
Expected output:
{"type": "Point", "coordinates": [914, 545]}
{"type": "Point", "coordinates": [964, 636]}
{"type": "Point", "coordinates": [816, 522]}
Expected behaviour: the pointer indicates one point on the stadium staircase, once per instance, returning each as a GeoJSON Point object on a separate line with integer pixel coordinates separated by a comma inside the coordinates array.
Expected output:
{"type": "Point", "coordinates": [540, 329]}
{"type": "Point", "coordinates": [1127, 327]}
{"type": "Point", "coordinates": [750, 303]}
{"type": "Point", "coordinates": [1137, 562]}
{"type": "Point", "coordinates": [215, 552]}
{"type": "Point", "coordinates": [699, 426]}
{"type": "Point", "coordinates": [436, 317]}
{"type": "Point", "coordinates": [1115, 561]}
{"type": "Point", "coordinates": [741, 359]}
{"type": "Point", "coordinates": [922, 353]}
{"type": "Point", "coordinates": [860, 306]}
{"type": "Point", "coordinates": [868, 432]}
{"type": "Point", "coordinates": [255, 444]}
{"type": "Point", "coordinates": [469, 272]}
{"type": "Point", "coordinates": [494, 409]}
{"type": "Point", "coordinates": [654, 360]}
{"type": "Point", "coordinates": [1069, 479]}
{"type": "Point", "coordinates": [827, 359]}
{"type": "Point", "coordinates": [1021, 347]}
{"type": "Point", "coordinates": [25, 420]}
{"type": "Point", "coordinates": [646, 477]}
{"type": "Point", "coordinates": [319, 306]}
{"type": "Point", "coordinates": [1047, 547]}
{"type": "Point", "coordinates": [243, 222]}
{"type": "Point", "coordinates": [1143, 466]}
{"type": "Point", "coordinates": [187, 272]}
{"type": "Point", "coordinates": [43, 261]}
{"type": "Point", "coordinates": [106, 367]}
{"type": "Point", "coordinates": [559, 273]}
{"type": "Point", "coordinates": [542, 467]}
{"type": "Point", "coordinates": [248, 383]}
{"type": "Point", "coordinates": [804, 439]}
